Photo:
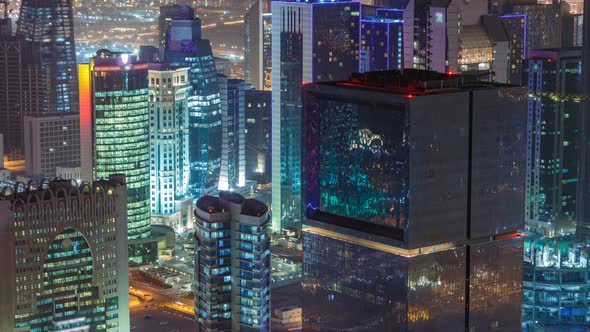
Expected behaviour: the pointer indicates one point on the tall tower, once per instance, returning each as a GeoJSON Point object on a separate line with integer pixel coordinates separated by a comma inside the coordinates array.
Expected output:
{"type": "Point", "coordinates": [414, 186]}
{"type": "Point", "coordinates": [584, 181]}
{"type": "Point", "coordinates": [114, 121]}
{"type": "Point", "coordinates": [167, 14]}
{"type": "Point", "coordinates": [185, 47]}
{"type": "Point", "coordinates": [257, 42]}
{"type": "Point", "coordinates": [50, 23]}
{"type": "Point", "coordinates": [232, 241]}
{"type": "Point", "coordinates": [311, 42]}
{"type": "Point", "coordinates": [169, 171]}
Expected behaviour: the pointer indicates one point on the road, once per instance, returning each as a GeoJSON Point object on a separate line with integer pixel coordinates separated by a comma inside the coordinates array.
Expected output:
{"type": "Point", "coordinates": [175, 322]}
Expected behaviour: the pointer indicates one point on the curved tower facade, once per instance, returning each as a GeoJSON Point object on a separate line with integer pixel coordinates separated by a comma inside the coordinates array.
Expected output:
{"type": "Point", "coordinates": [115, 130]}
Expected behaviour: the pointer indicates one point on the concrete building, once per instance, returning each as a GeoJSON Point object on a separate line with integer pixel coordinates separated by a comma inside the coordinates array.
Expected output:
{"type": "Point", "coordinates": [413, 186]}
{"type": "Point", "coordinates": [64, 256]}
{"type": "Point", "coordinates": [232, 264]}
{"type": "Point", "coordinates": [170, 202]}
{"type": "Point", "coordinates": [51, 139]}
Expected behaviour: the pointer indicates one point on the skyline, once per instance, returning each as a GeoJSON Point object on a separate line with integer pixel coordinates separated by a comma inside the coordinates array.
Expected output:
{"type": "Point", "coordinates": [289, 165]}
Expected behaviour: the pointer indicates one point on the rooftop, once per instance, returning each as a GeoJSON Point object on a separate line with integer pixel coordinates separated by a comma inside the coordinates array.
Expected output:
{"type": "Point", "coordinates": [415, 82]}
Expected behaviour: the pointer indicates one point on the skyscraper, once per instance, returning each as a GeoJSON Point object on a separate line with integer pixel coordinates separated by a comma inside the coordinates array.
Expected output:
{"type": "Point", "coordinates": [381, 43]}
{"type": "Point", "coordinates": [232, 264]}
{"type": "Point", "coordinates": [516, 28]}
{"type": "Point", "coordinates": [167, 14]}
{"type": "Point", "coordinates": [257, 45]}
{"type": "Point", "coordinates": [114, 121]}
{"type": "Point", "coordinates": [22, 86]}
{"type": "Point", "coordinates": [64, 256]}
{"type": "Point", "coordinates": [185, 47]}
{"type": "Point", "coordinates": [258, 135]}
{"type": "Point", "coordinates": [311, 42]}
{"type": "Point", "coordinates": [233, 122]}
{"type": "Point", "coordinates": [553, 165]}
{"type": "Point", "coordinates": [50, 23]}
{"type": "Point", "coordinates": [169, 89]}
{"type": "Point", "coordinates": [412, 190]}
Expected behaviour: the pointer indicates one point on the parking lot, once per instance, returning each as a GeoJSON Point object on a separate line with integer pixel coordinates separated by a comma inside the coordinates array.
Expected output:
{"type": "Point", "coordinates": [175, 322]}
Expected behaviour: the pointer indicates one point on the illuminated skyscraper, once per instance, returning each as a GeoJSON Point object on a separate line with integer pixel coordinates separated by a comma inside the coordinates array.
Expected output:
{"type": "Point", "coordinates": [64, 256]}
{"type": "Point", "coordinates": [516, 26]}
{"type": "Point", "coordinates": [233, 122]}
{"type": "Point", "coordinates": [50, 23]}
{"type": "Point", "coordinates": [553, 163]}
{"type": "Point", "coordinates": [257, 45]}
{"type": "Point", "coordinates": [23, 89]}
{"type": "Point", "coordinates": [185, 47]}
{"type": "Point", "coordinates": [381, 43]}
{"type": "Point", "coordinates": [258, 135]}
{"type": "Point", "coordinates": [413, 187]}
{"type": "Point", "coordinates": [232, 264]}
{"type": "Point", "coordinates": [114, 121]}
{"type": "Point", "coordinates": [171, 203]}
{"type": "Point", "coordinates": [311, 42]}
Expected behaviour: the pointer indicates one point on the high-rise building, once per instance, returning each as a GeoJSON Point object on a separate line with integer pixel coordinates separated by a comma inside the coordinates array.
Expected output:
{"type": "Point", "coordinates": [258, 135]}
{"type": "Point", "coordinates": [148, 53]}
{"type": "Point", "coordinates": [233, 123]}
{"type": "Point", "coordinates": [22, 87]}
{"type": "Point", "coordinates": [311, 42]}
{"type": "Point", "coordinates": [516, 25]}
{"type": "Point", "coordinates": [51, 139]}
{"type": "Point", "coordinates": [572, 30]}
{"type": "Point", "coordinates": [50, 23]}
{"type": "Point", "coordinates": [167, 14]}
{"type": "Point", "coordinates": [413, 186]}
{"type": "Point", "coordinates": [169, 89]}
{"type": "Point", "coordinates": [553, 165]}
{"type": "Point", "coordinates": [381, 43]}
{"type": "Point", "coordinates": [114, 122]}
{"type": "Point", "coordinates": [232, 264]}
{"type": "Point", "coordinates": [538, 18]}
{"type": "Point", "coordinates": [257, 45]}
{"type": "Point", "coordinates": [64, 256]}
{"type": "Point", "coordinates": [185, 47]}
{"type": "Point", "coordinates": [583, 219]}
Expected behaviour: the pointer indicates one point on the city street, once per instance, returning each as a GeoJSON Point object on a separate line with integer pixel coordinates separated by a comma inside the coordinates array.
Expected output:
{"type": "Point", "coordinates": [175, 322]}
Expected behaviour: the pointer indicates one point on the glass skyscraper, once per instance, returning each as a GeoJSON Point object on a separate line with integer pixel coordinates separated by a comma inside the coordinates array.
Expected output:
{"type": "Point", "coordinates": [413, 185]}
{"type": "Point", "coordinates": [185, 47]}
{"type": "Point", "coordinates": [50, 23]}
{"type": "Point", "coordinates": [554, 79]}
{"type": "Point", "coordinates": [311, 42]}
{"type": "Point", "coordinates": [114, 121]}
{"type": "Point", "coordinates": [232, 264]}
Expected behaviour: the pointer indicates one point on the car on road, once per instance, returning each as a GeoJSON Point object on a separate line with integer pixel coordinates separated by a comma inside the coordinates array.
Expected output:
{"type": "Point", "coordinates": [163, 323]}
{"type": "Point", "coordinates": [147, 317]}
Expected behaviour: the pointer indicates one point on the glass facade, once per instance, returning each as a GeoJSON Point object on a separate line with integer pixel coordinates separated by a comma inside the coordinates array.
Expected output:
{"type": "Point", "coordinates": [311, 42]}
{"type": "Point", "coordinates": [204, 102]}
{"type": "Point", "coordinates": [553, 153]}
{"type": "Point", "coordinates": [381, 44]}
{"type": "Point", "coordinates": [50, 23]}
{"type": "Point", "coordinates": [121, 129]}
{"type": "Point", "coordinates": [412, 203]}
